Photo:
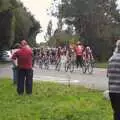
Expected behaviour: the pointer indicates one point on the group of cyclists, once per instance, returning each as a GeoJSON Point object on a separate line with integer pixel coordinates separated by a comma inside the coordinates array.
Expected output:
{"type": "Point", "coordinates": [71, 56]}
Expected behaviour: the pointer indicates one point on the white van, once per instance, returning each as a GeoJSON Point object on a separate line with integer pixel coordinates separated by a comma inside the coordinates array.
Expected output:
{"type": "Point", "coordinates": [6, 56]}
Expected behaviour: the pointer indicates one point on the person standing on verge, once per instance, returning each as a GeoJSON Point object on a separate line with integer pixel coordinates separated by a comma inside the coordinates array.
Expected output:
{"type": "Point", "coordinates": [113, 74]}
{"type": "Point", "coordinates": [14, 68]}
{"type": "Point", "coordinates": [25, 72]}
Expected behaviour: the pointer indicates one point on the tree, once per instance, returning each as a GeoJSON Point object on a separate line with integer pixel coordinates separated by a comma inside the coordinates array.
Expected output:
{"type": "Point", "coordinates": [5, 29]}
{"type": "Point", "coordinates": [26, 26]}
{"type": "Point", "coordinates": [16, 23]}
{"type": "Point", "coordinates": [49, 29]}
{"type": "Point", "coordinates": [97, 21]}
{"type": "Point", "coordinates": [48, 34]}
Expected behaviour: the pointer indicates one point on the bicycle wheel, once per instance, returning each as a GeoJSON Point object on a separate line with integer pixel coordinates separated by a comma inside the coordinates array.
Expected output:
{"type": "Point", "coordinates": [46, 66]}
{"type": "Point", "coordinates": [84, 67]}
{"type": "Point", "coordinates": [71, 67]}
{"type": "Point", "coordinates": [90, 68]}
{"type": "Point", "coordinates": [58, 66]}
{"type": "Point", "coordinates": [66, 67]}
{"type": "Point", "coordinates": [40, 65]}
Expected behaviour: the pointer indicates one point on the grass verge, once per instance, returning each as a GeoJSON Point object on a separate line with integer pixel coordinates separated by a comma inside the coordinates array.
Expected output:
{"type": "Point", "coordinates": [101, 65]}
{"type": "Point", "coordinates": [52, 101]}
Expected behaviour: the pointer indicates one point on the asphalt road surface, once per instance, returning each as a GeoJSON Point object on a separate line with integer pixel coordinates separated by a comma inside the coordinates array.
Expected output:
{"type": "Point", "coordinates": [97, 80]}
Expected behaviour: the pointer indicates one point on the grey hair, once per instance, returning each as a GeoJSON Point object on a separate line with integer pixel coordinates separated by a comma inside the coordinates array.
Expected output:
{"type": "Point", "coordinates": [118, 43]}
{"type": "Point", "coordinates": [117, 46]}
{"type": "Point", "coordinates": [117, 49]}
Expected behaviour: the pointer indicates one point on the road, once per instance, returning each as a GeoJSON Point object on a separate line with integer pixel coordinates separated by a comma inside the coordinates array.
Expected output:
{"type": "Point", "coordinates": [97, 80]}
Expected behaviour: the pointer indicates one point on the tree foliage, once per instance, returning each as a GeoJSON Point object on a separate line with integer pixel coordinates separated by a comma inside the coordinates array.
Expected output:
{"type": "Point", "coordinates": [16, 23]}
{"type": "Point", "coordinates": [49, 29]}
{"type": "Point", "coordinates": [97, 21]}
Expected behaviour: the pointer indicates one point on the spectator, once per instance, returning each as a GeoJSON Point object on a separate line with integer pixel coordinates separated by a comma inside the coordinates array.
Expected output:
{"type": "Point", "coordinates": [25, 72]}
{"type": "Point", "coordinates": [113, 73]}
{"type": "Point", "coordinates": [14, 68]}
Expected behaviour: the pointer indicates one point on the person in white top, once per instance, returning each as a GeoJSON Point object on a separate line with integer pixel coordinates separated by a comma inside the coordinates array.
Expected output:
{"type": "Point", "coordinates": [14, 62]}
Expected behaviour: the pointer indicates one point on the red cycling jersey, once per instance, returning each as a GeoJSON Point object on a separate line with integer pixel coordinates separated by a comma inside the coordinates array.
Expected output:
{"type": "Point", "coordinates": [87, 54]}
{"type": "Point", "coordinates": [79, 50]}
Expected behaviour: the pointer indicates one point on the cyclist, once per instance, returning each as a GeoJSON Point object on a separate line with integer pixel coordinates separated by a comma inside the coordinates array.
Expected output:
{"type": "Point", "coordinates": [42, 52]}
{"type": "Point", "coordinates": [58, 54]}
{"type": "Point", "coordinates": [60, 58]}
{"type": "Point", "coordinates": [63, 57]}
{"type": "Point", "coordinates": [71, 57]}
{"type": "Point", "coordinates": [87, 54]}
{"type": "Point", "coordinates": [71, 54]}
{"type": "Point", "coordinates": [53, 56]}
{"type": "Point", "coordinates": [79, 53]}
{"type": "Point", "coordinates": [46, 60]}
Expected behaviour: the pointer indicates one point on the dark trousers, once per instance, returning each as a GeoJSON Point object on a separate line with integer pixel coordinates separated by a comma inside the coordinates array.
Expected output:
{"type": "Point", "coordinates": [15, 75]}
{"type": "Point", "coordinates": [25, 79]}
{"type": "Point", "coordinates": [115, 102]}
{"type": "Point", "coordinates": [33, 62]}
{"type": "Point", "coordinates": [79, 61]}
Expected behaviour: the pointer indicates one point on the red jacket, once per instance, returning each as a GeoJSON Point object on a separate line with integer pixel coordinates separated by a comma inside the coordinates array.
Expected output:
{"type": "Point", "coordinates": [24, 57]}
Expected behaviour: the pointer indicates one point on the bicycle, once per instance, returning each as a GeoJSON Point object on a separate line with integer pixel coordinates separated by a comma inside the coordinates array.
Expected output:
{"type": "Point", "coordinates": [58, 65]}
{"type": "Point", "coordinates": [88, 66]}
{"type": "Point", "coordinates": [69, 65]}
{"type": "Point", "coordinates": [40, 63]}
{"type": "Point", "coordinates": [61, 61]}
{"type": "Point", "coordinates": [44, 62]}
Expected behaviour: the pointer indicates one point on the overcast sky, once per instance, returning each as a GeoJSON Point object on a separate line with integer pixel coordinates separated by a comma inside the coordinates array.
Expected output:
{"type": "Point", "coordinates": [39, 9]}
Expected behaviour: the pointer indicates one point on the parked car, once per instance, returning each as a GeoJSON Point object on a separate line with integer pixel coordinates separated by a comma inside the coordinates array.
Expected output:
{"type": "Point", "coordinates": [5, 56]}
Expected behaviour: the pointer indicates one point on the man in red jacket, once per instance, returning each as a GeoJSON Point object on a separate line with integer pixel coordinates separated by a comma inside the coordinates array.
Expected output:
{"type": "Point", "coordinates": [24, 64]}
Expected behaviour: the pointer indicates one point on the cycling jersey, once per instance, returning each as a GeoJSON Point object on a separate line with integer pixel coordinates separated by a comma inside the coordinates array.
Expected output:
{"type": "Point", "coordinates": [79, 50]}
{"type": "Point", "coordinates": [87, 54]}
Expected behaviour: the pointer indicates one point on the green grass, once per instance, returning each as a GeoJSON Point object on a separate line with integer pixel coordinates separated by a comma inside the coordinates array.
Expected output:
{"type": "Point", "coordinates": [101, 65]}
{"type": "Point", "coordinates": [52, 101]}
